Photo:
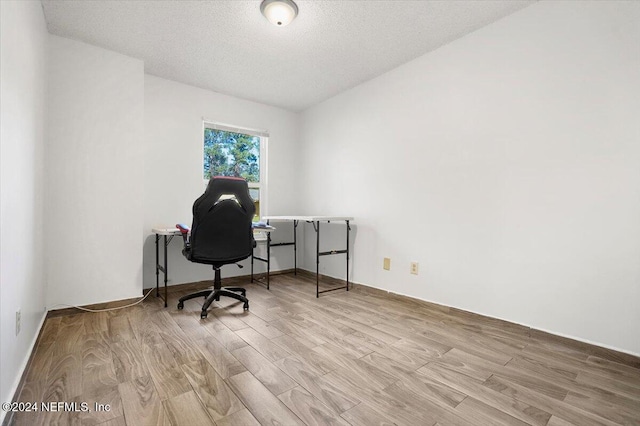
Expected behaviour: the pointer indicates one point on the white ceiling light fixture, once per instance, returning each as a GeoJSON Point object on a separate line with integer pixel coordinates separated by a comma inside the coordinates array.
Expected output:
{"type": "Point", "coordinates": [279, 12]}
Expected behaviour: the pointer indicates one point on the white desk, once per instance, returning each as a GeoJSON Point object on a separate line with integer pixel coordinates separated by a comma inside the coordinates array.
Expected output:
{"type": "Point", "coordinates": [315, 220]}
{"type": "Point", "coordinates": [168, 234]}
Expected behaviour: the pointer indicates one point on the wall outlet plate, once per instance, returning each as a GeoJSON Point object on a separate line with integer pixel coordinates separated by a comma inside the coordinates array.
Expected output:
{"type": "Point", "coordinates": [414, 268]}
{"type": "Point", "coordinates": [386, 264]}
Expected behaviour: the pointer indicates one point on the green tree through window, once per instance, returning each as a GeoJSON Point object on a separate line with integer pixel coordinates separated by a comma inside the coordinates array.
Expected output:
{"type": "Point", "coordinates": [234, 154]}
{"type": "Point", "coordinates": [231, 154]}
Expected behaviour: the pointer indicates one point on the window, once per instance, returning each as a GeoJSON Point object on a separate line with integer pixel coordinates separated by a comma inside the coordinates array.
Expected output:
{"type": "Point", "coordinates": [230, 151]}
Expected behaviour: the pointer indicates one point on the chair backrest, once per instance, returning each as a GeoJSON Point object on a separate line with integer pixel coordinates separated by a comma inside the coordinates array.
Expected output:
{"type": "Point", "coordinates": [221, 231]}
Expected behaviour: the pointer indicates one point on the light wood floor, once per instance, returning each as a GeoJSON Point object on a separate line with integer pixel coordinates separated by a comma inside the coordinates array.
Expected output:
{"type": "Point", "coordinates": [361, 358]}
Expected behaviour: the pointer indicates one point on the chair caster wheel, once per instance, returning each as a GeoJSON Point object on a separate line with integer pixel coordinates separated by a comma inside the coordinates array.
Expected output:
{"type": "Point", "coordinates": [203, 314]}
{"type": "Point", "coordinates": [246, 306]}
{"type": "Point", "coordinates": [180, 305]}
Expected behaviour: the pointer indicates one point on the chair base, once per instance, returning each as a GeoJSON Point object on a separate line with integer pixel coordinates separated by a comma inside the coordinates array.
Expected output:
{"type": "Point", "coordinates": [214, 293]}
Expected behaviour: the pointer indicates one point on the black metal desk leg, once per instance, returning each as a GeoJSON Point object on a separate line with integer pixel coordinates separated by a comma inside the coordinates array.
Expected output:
{"type": "Point", "coordinates": [166, 271]}
{"type": "Point", "coordinates": [348, 229]}
{"type": "Point", "coordinates": [268, 257]}
{"type": "Point", "coordinates": [157, 266]}
{"type": "Point", "coordinates": [317, 257]}
{"type": "Point", "coordinates": [295, 248]}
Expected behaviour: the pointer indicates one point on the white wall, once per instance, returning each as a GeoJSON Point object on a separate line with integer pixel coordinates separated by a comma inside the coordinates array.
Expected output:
{"type": "Point", "coordinates": [506, 163]}
{"type": "Point", "coordinates": [173, 180]}
{"type": "Point", "coordinates": [95, 172]}
{"type": "Point", "coordinates": [23, 71]}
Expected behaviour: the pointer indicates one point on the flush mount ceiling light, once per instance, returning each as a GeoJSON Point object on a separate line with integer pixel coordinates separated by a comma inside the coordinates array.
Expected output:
{"type": "Point", "coordinates": [279, 12]}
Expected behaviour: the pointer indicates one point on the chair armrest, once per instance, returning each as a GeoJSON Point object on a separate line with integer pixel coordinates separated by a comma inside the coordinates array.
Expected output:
{"type": "Point", "coordinates": [183, 228]}
{"type": "Point", "coordinates": [184, 231]}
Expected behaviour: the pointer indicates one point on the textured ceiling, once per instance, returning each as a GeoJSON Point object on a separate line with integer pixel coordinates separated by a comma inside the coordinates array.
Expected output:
{"type": "Point", "coordinates": [229, 47]}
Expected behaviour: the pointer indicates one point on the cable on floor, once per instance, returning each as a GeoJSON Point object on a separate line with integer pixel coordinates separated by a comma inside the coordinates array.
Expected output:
{"type": "Point", "coordinates": [106, 309]}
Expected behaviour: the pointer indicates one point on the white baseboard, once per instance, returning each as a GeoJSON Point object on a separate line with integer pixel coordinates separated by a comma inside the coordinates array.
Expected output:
{"type": "Point", "coordinates": [555, 333]}
{"type": "Point", "coordinates": [24, 364]}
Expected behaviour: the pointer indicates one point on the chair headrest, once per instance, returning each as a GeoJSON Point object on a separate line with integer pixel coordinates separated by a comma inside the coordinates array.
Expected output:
{"type": "Point", "coordinates": [225, 187]}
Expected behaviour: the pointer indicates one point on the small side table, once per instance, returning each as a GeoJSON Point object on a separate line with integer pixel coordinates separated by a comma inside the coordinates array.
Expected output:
{"type": "Point", "coordinates": [167, 234]}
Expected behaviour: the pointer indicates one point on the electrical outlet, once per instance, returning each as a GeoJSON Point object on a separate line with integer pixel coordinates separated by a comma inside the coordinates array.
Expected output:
{"type": "Point", "coordinates": [18, 321]}
{"type": "Point", "coordinates": [386, 264]}
{"type": "Point", "coordinates": [414, 268]}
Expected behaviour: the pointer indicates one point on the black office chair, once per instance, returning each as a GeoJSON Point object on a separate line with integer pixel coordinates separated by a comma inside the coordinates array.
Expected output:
{"type": "Point", "coordinates": [221, 234]}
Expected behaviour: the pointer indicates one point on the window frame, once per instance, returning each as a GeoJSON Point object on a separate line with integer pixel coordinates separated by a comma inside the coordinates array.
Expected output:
{"type": "Point", "coordinates": [263, 136]}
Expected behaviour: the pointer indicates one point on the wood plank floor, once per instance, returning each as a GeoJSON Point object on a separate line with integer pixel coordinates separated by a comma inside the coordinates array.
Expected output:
{"type": "Point", "coordinates": [361, 357]}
